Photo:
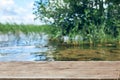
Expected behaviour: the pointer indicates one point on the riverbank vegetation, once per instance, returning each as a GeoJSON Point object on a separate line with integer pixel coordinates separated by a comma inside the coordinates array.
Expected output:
{"type": "Point", "coordinates": [75, 22]}
{"type": "Point", "coordinates": [53, 33]}
{"type": "Point", "coordinates": [83, 21]}
{"type": "Point", "coordinates": [15, 28]}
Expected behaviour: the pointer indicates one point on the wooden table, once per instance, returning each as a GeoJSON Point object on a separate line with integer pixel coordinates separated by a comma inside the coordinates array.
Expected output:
{"type": "Point", "coordinates": [60, 70]}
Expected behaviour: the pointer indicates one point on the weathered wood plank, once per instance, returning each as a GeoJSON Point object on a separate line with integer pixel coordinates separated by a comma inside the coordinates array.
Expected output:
{"type": "Point", "coordinates": [60, 70]}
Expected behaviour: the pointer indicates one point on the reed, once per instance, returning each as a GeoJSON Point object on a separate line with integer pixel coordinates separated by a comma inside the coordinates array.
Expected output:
{"type": "Point", "coordinates": [14, 28]}
{"type": "Point", "coordinates": [95, 35]}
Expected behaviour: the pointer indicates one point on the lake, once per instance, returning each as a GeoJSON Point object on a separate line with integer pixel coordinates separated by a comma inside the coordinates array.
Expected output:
{"type": "Point", "coordinates": [37, 47]}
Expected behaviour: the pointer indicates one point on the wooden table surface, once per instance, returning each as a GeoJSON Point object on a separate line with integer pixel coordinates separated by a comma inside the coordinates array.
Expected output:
{"type": "Point", "coordinates": [60, 70]}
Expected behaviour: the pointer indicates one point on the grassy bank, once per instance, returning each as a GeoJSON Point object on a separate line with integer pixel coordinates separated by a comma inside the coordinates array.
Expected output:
{"type": "Point", "coordinates": [98, 37]}
{"type": "Point", "coordinates": [14, 28]}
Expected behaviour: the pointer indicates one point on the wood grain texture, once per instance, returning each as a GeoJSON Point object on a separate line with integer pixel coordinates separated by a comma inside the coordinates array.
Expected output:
{"type": "Point", "coordinates": [60, 70]}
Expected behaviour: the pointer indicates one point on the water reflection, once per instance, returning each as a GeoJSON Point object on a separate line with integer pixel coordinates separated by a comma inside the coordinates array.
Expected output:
{"type": "Point", "coordinates": [23, 47]}
{"type": "Point", "coordinates": [22, 39]}
{"type": "Point", "coordinates": [36, 47]}
{"type": "Point", "coordinates": [88, 53]}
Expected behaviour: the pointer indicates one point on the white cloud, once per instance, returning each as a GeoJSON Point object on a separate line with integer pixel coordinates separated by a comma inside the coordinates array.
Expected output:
{"type": "Point", "coordinates": [6, 3]}
{"type": "Point", "coordinates": [12, 13]}
{"type": "Point", "coordinates": [3, 3]}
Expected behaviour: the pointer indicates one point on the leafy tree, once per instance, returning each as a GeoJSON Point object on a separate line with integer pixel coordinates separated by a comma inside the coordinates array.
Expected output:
{"type": "Point", "coordinates": [88, 18]}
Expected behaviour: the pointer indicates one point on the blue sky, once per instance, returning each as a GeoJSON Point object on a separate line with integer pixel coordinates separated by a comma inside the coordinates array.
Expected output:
{"type": "Point", "coordinates": [17, 11]}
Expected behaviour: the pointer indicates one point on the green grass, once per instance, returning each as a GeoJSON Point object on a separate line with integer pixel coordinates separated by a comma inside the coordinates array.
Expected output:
{"type": "Point", "coordinates": [55, 33]}
{"type": "Point", "coordinates": [14, 28]}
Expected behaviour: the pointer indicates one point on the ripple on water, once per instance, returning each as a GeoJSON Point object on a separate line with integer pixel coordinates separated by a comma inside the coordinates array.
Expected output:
{"type": "Point", "coordinates": [21, 47]}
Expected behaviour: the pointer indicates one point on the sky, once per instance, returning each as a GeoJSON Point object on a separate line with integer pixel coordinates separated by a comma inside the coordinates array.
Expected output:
{"type": "Point", "coordinates": [17, 11]}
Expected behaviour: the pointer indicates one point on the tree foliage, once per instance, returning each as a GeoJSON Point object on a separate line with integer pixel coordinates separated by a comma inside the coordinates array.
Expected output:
{"type": "Point", "coordinates": [88, 18]}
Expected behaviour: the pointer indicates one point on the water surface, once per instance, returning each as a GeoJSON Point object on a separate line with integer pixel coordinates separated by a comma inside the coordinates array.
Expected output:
{"type": "Point", "coordinates": [36, 47]}
{"type": "Point", "coordinates": [24, 47]}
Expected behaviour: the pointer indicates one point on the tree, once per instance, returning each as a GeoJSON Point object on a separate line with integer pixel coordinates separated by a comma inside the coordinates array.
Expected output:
{"type": "Point", "coordinates": [83, 17]}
